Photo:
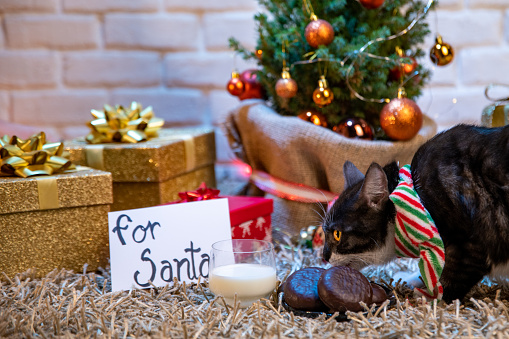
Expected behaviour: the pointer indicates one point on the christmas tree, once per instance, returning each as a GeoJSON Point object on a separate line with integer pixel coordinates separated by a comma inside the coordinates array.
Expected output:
{"type": "Point", "coordinates": [372, 55]}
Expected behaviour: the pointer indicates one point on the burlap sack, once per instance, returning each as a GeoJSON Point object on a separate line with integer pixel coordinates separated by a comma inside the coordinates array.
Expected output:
{"type": "Point", "coordinates": [295, 150]}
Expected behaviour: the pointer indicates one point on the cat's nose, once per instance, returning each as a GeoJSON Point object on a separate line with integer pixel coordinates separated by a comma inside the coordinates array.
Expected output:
{"type": "Point", "coordinates": [326, 253]}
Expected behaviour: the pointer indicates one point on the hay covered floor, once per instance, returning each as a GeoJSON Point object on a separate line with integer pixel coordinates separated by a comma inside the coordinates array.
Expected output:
{"type": "Point", "coordinates": [65, 304]}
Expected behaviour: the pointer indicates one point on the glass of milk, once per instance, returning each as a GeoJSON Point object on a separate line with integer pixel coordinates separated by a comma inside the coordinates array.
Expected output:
{"type": "Point", "coordinates": [245, 267]}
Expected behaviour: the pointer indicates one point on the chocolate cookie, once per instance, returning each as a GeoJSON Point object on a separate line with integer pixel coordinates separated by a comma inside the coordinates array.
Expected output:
{"type": "Point", "coordinates": [379, 295]}
{"type": "Point", "coordinates": [341, 288]}
{"type": "Point", "coordinates": [301, 292]}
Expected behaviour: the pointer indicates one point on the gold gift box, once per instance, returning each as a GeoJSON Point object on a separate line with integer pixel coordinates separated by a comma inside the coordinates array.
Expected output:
{"type": "Point", "coordinates": [152, 172]}
{"type": "Point", "coordinates": [58, 221]}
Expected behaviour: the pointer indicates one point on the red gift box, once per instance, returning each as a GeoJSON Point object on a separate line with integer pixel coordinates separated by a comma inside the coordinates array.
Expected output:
{"type": "Point", "coordinates": [249, 216]}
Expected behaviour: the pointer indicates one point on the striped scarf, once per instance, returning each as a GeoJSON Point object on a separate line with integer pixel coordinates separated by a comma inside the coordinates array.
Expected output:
{"type": "Point", "coordinates": [416, 235]}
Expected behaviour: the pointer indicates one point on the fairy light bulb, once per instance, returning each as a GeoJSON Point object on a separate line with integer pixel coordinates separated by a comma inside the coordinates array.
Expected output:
{"type": "Point", "coordinates": [322, 95]}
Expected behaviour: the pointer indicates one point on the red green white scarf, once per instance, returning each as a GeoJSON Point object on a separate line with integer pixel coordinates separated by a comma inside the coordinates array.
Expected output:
{"type": "Point", "coordinates": [416, 235]}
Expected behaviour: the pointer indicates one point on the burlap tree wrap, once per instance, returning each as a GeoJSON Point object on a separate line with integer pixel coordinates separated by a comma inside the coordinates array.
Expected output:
{"type": "Point", "coordinates": [295, 150]}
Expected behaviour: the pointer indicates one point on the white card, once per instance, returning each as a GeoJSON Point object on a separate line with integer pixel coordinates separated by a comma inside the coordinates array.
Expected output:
{"type": "Point", "coordinates": [162, 242]}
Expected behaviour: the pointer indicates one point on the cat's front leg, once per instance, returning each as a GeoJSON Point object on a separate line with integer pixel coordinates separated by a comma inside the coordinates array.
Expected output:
{"type": "Point", "coordinates": [464, 267]}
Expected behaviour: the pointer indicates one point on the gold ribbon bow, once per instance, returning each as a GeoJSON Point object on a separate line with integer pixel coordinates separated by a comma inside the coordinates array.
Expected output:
{"type": "Point", "coordinates": [30, 157]}
{"type": "Point", "coordinates": [119, 124]}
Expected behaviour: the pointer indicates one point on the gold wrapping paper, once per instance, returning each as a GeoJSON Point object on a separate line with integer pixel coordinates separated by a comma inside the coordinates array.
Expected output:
{"type": "Point", "coordinates": [52, 239]}
{"type": "Point", "coordinates": [80, 188]}
{"type": "Point", "coordinates": [155, 160]}
{"type": "Point", "coordinates": [138, 195]}
{"type": "Point", "coordinates": [71, 232]}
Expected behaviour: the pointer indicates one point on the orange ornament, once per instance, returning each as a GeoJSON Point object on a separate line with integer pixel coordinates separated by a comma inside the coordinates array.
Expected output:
{"type": "Point", "coordinates": [313, 117]}
{"type": "Point", "coordinates": [319, 32]}
{"type": "Point", "coordinates": [401, 119]}
{"type": "Point", "coordinates": [235, 86]}
{"type": "Point", "coordinates": [253, 88]}
{"type": "Point", "coordinates": [286, 87]}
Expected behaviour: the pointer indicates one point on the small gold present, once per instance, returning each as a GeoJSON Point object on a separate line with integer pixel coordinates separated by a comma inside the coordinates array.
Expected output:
{"type": "Point", "coordinates": [52, 215]}
{"type": "Point", "coordinates": [496, 114]}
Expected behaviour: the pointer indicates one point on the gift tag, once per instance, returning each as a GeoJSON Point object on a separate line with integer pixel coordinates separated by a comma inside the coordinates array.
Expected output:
{"type": "Point", "coordinates": [152, 246]}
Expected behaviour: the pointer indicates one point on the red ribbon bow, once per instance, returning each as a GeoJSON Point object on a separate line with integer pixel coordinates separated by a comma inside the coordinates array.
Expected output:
{"type": "Point", "coordinates": [202, 193]}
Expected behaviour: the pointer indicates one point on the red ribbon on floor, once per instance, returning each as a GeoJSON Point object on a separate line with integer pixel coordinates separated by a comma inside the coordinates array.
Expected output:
{"type": "Point", "coordinates": [290, 190]}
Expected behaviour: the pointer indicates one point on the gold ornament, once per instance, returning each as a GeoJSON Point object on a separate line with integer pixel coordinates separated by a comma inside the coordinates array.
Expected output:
{"type": "Point", "coordinates": [33, 156]}
{"type": "Point", "coordinates": [119, 124]}
{"type": "Point", "coordinates": [354, 128]}
{"type": "Point", "coordinates": [401, 118]}
{"type": "Point", "coordinates": [259, 53]}
{"type": "Point", "coordinates": [313, 117]}
{"type": "Point", "coordinates": [441, 53]}
{"type": "Point", "coordinates": [286, 87]}
{"type": "Point", "coordinates": [322, 95]}
{"type": "Point", "coordinates": [318, 32]}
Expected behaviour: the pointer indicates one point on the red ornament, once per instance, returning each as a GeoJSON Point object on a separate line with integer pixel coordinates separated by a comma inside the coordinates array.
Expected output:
{"type": "Point", "coordinates": [401, 119]}
{"type": "Point", "coordinates": [354, 128]}
{"type": "Point", "coordinates": [252, 87]}
{"type": "Point", "coordinates": [235, 86]}
{"type": "Point", "coordinates": [371, 4]}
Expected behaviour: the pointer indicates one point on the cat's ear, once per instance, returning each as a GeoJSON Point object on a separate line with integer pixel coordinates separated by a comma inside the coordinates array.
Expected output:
{"type": "Point", "coordinates": [375, 188]}
{"type": "Point", "coordinates": [352, 174]}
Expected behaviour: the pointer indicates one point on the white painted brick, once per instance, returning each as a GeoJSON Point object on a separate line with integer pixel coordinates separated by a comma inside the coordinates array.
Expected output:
{"type": "Point", "coordinates": [71, 132]}
{"type": "Point", "coordinates": [439, 105]}
{"type": "Point", "coordinates": [219, 27]}
{"type": "Point", "coordinates": [506, 26]}
{"type": "Point", "coordinates": [112, 69]}
{"type": "Point", "coordinates": [71, 31]}
{"type": "Point", "coordinates": [488, 3]}
{"type": "Point", "coordinates": [211, 69]}
{"type": "Point", "coordinates": [175, 106]}
{"type": "Point", "coordinates": [207, 5]}
{"type": "Point", "coordinates": [481, 66]}
{"type": "Point", "coordinates": [55, 107]}
{"type": "Point", "coordinates": [223, 150]}
{"type": "Point", "coordinates": [221, 102]}
{"type": "Point", "coordinates": [4, 106]}
{"type": "Point", "coordinates": [168, 32]}
{"type": "Point", "coordinates": [25, 69]}
{"type": "Point", "coordinates": [441, 75]}
{"type": "Point", "coordinates": [449, 4]}
{"type": "Point", "coordinates": [110, 5]}
{"type": "Point", "coordinates": [468, 28]}
{"type": "Point", "coordinates": [28, 5]}
{"type": "Point", "coordinates": [25, 131]}
{"type": "Point", "coordinates": [2, 39]}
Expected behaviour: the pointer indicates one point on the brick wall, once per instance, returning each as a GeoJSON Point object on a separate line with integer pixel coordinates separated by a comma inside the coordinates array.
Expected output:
{"type": "Point", "coordinates": [60, 58]}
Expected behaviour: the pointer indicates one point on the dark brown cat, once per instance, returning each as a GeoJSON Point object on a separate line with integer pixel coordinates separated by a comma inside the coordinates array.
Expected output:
{"type": "Point", "coordinates": [462, 179]}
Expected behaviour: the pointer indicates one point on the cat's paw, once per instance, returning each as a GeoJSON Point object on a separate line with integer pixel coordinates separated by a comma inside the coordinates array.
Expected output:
{"type": "Point", "coordinates": [413, 279]}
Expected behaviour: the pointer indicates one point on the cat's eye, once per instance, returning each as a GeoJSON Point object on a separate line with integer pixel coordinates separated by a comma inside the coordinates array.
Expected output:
{"type": "Point", "coordinates": [337, 235]}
